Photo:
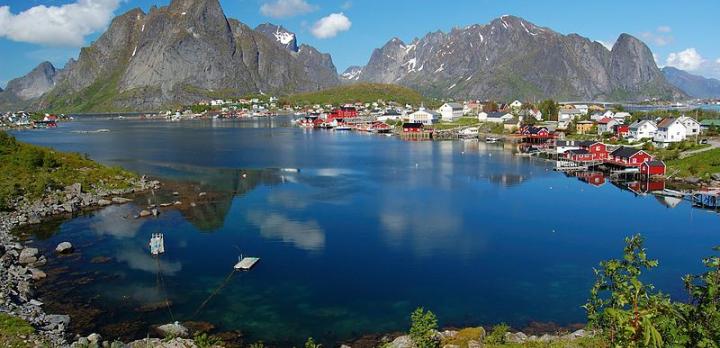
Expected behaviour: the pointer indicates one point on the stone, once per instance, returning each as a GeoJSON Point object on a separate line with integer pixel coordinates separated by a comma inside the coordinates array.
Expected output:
{"type": "Point", "coordinates": [579, 333]}
{"type": "Point", "coordinates": [74, 189]}
{"type": "Point", "coordinates": [35, 302]}
{"type": "Point", "coordinates": [56, 321]}
{"type": "Point", "coordinates": [715, 176]}
{"type": "Point", "coordinates": [547, 338]}
{"type": "Point", "coordinates": [100, 259]}
{"type": "Point", "coordinates": [474, 344]}
{"type": "Point", "coordinates": [94, 338]}
{"type": "Point", "coordinates": [145, 213]}
{"type": "Point", "coordinates": [176, 193]}
{"type": "Point", "coordinates": [692, 180]}
{"type": "Point", "coordinates": [172, 330]}
{"type": "Point", "coordinates": [202, 194]}
{"type": "Point", "coordinates": [37, 274]}
{"type": "Point", "coordinates": [517, 337]}
{"type": "Point", "coordinates": [121, 200]}
{"type": "Point", "coordinates": [403, 342]}
{"type": "Point", "coordinates": [104, 202]}
{"type": "Point", "coordinates": [64, 248]}
{"type": "Point", "coordinates": [28, 255]}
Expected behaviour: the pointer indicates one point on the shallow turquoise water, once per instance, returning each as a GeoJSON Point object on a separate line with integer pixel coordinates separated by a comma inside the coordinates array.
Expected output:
{"type": "Point", "coordinates": [366, 229]}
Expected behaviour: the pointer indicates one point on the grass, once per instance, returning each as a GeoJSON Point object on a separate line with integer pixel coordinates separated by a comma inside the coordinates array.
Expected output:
{"type": "Point", "coordinates": [461, 122]}
{"type": "Point", "coordinates": [361, 92]}
{"type": "Point", "coordinates": [29, 170]}
{"type": "Point", "coordinates": [12, 330]}
{"type": "Point", "coordinates": [585, 342]}
{"type": "Point", "coordinates": [702, 164]}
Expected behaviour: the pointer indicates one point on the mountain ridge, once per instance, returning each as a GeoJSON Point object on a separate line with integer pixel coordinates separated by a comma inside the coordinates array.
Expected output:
{"type": "Point", "coordinates": [694, 85]}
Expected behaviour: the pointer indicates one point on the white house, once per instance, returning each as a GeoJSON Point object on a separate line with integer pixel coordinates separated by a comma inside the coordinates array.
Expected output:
{"type": "Point", "coordinates": [609, 114]}
{"type": "Point", "coordinates": [424, 116]}
{"type": "Point", "coordinates": [569, 114]}
{"type": "Point", "coordinates": [621, 116]}
{"type": "Point", "coordinates": [451, 111]}
{"type": "Point", "coordinates": [606, 125]}
{"type": "Point", "coordinates": [582, 107]}
{"type": "Point", "coordinates": [670, 130]}
{"type": "Point", "coordinates": [596, 117]}
{"type": "Point", "coordinates": [643, 129]}
{"type": "Point", "coordinates": [516, 105]}
{"type": "Point", "coordinates": [495, 117]}
{"type": "Point", "coordinates": [692, 126]}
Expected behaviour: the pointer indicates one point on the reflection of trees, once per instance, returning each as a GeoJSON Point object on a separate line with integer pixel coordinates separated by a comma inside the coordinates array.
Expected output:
{"type": "Point", "coordinates": [221, 186]}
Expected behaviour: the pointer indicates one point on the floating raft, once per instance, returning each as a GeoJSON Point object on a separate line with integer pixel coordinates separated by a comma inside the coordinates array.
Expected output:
{"type": "Point", "coordinates": [246, 263]}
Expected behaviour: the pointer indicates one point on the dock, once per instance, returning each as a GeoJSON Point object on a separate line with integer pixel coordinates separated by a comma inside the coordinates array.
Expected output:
{"type": "Point", "coordinates": [246, 263]}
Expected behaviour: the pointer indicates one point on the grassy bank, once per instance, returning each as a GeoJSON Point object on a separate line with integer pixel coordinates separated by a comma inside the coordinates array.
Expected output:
{"type": "Point", "coordinates": [701, 165]}
{"type": "Point", "coordinates": [29, 170]}
{"type": "Point", "coordinates": [14, 332]}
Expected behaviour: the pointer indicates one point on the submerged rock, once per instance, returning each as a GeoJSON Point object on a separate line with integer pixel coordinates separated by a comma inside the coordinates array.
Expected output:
{"type": "Point", "coordinates": [64, 248]}
{"type": "Point", "coordinates": [121, 200]}
{"type": "Point", "coordinates": [104, 202]}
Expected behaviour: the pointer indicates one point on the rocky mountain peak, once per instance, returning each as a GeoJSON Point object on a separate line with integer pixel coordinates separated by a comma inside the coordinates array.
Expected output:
{"type": "Point", "coordinates": [280, 35]}
{"type": "Point", "coordinates": [34, 84]}
{"type": "Point", "coordinates": [352, 73]}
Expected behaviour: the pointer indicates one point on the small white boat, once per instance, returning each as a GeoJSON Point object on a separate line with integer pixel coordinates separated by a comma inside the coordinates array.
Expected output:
{"type": "Point", "coordinates": [343, 128]}
{"type": "Point", "coordinates": [492, 139]}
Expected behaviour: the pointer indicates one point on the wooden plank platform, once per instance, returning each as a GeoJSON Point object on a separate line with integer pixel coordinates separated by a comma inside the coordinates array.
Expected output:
{"type": "Point", "coordinates": [246, 263]}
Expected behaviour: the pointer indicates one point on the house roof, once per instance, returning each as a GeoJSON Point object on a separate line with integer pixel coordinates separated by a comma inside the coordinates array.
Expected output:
{"type": "Point", "coordinates": [625, 152]}
{"type": "Point", "coordinates": [655, 163]}
{"type": "Point", "coordinates": [605, 120]}
{"type": "Point", "coordinates": [666, 122]}
{"type": "Point", "coordinates": [579, 152]}
{"type": "Point", "coordinates": [637, 124]}
{"type": "Point", "coordinates": [496, 114]}
{"type": "Point", "coordinates": [455, 106]}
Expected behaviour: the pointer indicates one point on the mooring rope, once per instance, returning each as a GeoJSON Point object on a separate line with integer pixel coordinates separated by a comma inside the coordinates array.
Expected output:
{"type": "Point", "coordinates": [222, 285]}
{"type": "Point", "coordinates": [163, 287]}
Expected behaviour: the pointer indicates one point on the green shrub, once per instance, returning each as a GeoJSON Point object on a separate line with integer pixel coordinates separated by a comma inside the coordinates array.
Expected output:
{"type": "Point", "coordinates": [423, 325]}
{"type": "Point", "coordinates": [310, 343]}
{"type": "Point", "coordinates": [497, 334]}
{"type": "Point", "coordinates": [466, 335]}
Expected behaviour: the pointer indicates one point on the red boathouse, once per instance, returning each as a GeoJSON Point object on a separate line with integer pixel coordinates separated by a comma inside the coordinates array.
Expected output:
{"type": "Point", "coordinates": [652, 168]}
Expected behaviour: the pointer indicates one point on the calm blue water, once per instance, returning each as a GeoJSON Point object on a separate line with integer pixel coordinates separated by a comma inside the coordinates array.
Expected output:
{"type": "Point", "coordinates": [369, 228]}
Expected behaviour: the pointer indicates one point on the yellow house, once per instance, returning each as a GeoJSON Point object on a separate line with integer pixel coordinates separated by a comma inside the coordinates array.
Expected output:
{"type": "Point", "coordinates": [584, 127]}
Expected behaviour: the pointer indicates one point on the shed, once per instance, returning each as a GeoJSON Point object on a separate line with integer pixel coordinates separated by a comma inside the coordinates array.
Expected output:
{"type": "Point", "coordinates": [653, 168]}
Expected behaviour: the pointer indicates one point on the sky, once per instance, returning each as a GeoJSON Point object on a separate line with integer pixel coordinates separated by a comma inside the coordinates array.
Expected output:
{"type": "Point", "coordinates": [683, 34]}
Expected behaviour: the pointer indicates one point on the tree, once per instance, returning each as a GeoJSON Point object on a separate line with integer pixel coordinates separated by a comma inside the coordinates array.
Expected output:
{"type": "Point", "coordinates": [549, 109]}
{"type": "Point", "coordinates": [702, 315]}
{"type": "Point", "coordinates": [491, 106]}
{"type": "Point", "coordinates": [423, 325]}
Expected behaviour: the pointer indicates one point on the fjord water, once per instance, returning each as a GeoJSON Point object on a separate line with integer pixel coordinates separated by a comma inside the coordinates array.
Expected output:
{"type": "Point", "coordinates": [365, 230]}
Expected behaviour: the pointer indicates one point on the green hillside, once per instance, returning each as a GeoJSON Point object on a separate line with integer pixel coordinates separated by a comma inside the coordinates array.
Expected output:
{"type": "Point", "coordinates": [361, 92]}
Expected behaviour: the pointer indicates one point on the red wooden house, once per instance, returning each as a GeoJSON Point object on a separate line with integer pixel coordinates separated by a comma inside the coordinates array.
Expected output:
{"type": "Point", "coordinates": [415, 127]}
{"type": "Point", "coordinates": [597, 149]}
{"type": "Point", "coordinates": [579, 155]}
{"type": "Point", "coordinates": [622, 130]}
{"type": "Point", "coordinates": [652, 168]}
{"type": "Point", "coordinates": [629, 157]}
{"type": "Point", "coordinates": [343, 112]}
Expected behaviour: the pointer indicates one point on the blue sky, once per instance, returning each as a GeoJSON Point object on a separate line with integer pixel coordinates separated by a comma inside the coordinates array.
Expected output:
{"type": "Point", "coordinates": [681, 33]}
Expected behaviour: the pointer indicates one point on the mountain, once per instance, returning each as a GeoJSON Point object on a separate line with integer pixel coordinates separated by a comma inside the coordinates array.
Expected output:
{"type": "Point", "coordinates": [511, 58]}
{"type": "Point", "coordinates": [21, 91]}
{"type": "Point", "coordinates": [179, 54]}
{"type": "Point", "coordinates": [358, 92]}
{"type": "Point", "coordinates": [281, 35]}
{"type": "Point", "coordinates": [694, 85]}
{"type": "Point", "coordinates": [352, 73]}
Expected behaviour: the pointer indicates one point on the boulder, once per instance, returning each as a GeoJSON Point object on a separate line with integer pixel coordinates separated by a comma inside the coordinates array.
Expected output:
{"type": "Point", "coordinates": [104, 202]}
{"type": "Point", "coordinates": [692, 180]}
{"type": "Point", "coordinates": [56, 321]}
{"type": "Point", "coordinates": [27, 256]}
{"type": "Point", "coordinates": [145, 213]}
{"type": "Point", "coordinates": [94, 339]}
{"type": "Point", "coordinates": [402, 342]}
{"type": "Point", "coordinates": [37, 274]}
{"type": "Point", "coordinates": [202, 194]}
{"type": "Point", "coordinates": [121, 200]}
{"type": "Point", "coordinates": [547, 338]}
{"type": "Point", "coordinates": [64, 248]}
{"type": "Point", "coordinates": [172, 330]}
{"type": "Point", "coordinates": [715, 176]}
{"type": "Point", "coordinates": [517, 337]}
{"type": "Point", "coordinates": [474, 344]}
{"type": "Point", "coordinates": [74, 189]}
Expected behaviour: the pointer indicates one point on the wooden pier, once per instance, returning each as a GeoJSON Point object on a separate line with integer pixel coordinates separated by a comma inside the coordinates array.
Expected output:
{"type": "Point", "coordinates": [246, 263]}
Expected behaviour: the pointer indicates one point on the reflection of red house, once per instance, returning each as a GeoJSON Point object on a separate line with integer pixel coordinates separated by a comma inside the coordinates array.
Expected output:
{"type": "Point", "coordinates": [342, 113]}
{"type": "Point", "coordinates": [622, 130]}
{"type": "Point", "coordinates": [629, 157]}
{"type": "Point", "coordinates": [592, 178]}
{"type": "Point", "coordinates": [642, 187]}
{"type": "Point", "coordinates": [652, 168]}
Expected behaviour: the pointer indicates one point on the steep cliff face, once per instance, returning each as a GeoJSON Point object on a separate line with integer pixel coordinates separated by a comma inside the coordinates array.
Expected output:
{"type": "Point", "coordinates": [20, 92]}
{"type": "Point", "coordinates": [180, 54]}
{"type": "Point", "coordinates": [280, 35]}
{"type": "Point", "coordinates": [694, 85]}
{"type": "Point", "coordinates": [513, 58]}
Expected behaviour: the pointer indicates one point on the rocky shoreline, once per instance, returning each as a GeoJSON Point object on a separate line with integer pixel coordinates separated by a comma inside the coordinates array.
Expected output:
{"type": "Point", "coordinates": [20, 266]}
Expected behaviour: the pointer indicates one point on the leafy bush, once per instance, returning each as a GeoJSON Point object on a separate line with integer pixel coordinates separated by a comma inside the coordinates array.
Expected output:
{"type": "Point", "coordinates": [204, 340]}
{"type": "Point", "coordinates": [466, 335]}
{"type": "Point", "coordinates": [310, 343]}
{"type": "Point", "coordinates": [497, 334]}
{"type": "Point", "coordinates": [423, 326]}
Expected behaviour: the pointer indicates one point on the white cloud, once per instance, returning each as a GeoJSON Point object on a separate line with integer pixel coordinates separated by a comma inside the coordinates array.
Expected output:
{"type": "Point", "coordinates": [286, 8]}
{"type": "Point", "coordinates": [65, 25]}
{"type": "Point", "coordinates": [718, 61]}
{"type": "Point", "coordinates": [688, 59]}
{"type": "Point", "coordinates": [664, 29]}
{"type": "Point", "coordinates": [657, 39]}
{"type": "Point", "coordinates": [331, 25]}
